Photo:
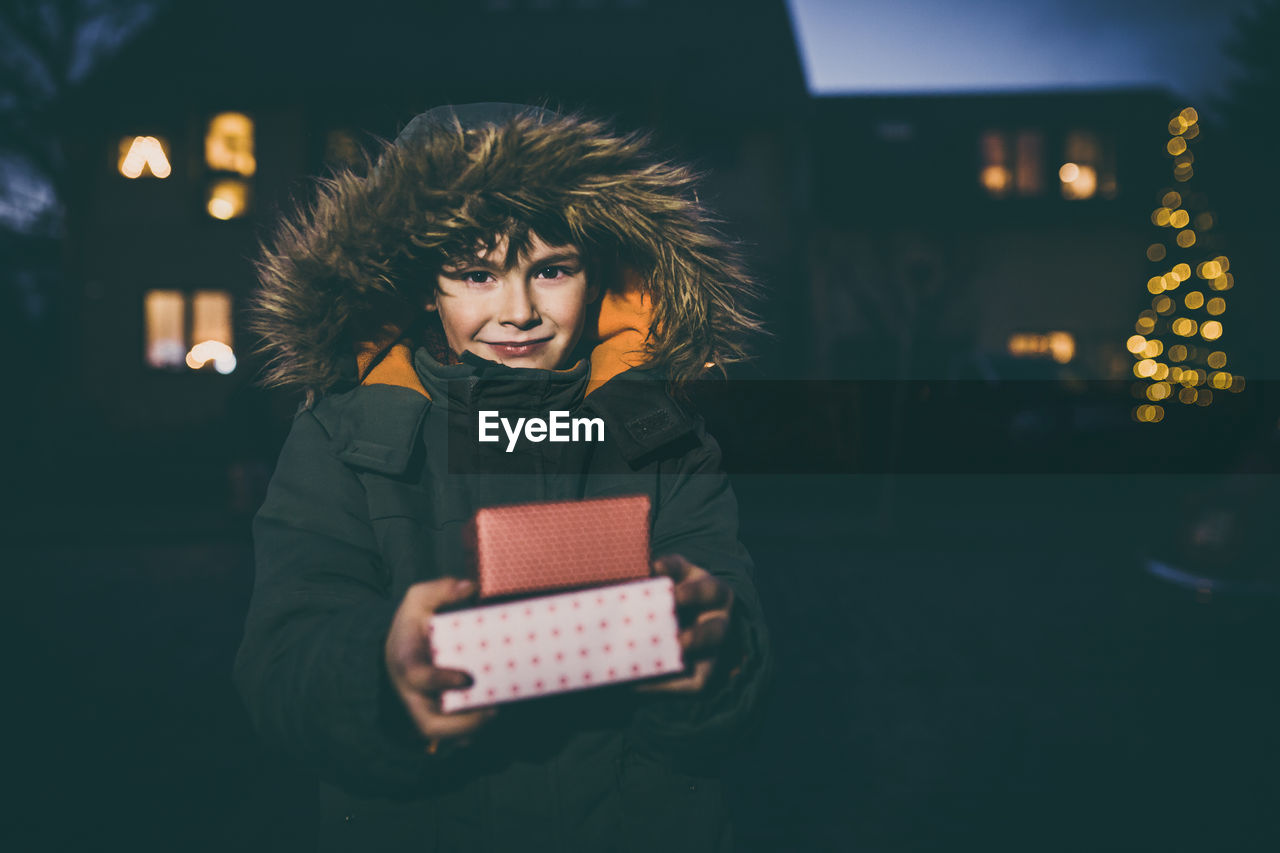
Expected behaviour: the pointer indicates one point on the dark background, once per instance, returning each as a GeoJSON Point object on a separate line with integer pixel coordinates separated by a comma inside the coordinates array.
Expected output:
{"type": "Point", "coordinates": [1007, 615]}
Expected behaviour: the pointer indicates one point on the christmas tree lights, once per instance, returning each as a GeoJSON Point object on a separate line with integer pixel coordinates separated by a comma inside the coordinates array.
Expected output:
{"type": "Point", "coordinates": [1177, 342]}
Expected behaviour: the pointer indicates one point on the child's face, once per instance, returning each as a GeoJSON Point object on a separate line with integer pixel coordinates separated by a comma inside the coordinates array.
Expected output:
{"type": "Point", "coordinates": [528, 316]}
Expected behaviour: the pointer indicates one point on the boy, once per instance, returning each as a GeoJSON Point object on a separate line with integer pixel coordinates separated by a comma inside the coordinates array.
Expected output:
{"type": "Point", "coordinates": [505, 258]}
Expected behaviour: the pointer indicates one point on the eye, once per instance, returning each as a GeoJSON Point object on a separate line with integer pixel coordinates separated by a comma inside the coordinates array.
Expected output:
{"type": "Point", "coordinates": [555, 271]}
{"type": "Point", "coordinates": [469, 277]}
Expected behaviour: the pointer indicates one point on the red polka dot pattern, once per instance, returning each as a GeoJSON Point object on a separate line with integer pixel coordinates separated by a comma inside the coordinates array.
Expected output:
{"type": "Point", "coordinates": [610, 638]}
{"type": "Point", "coordinates": [552, 545]}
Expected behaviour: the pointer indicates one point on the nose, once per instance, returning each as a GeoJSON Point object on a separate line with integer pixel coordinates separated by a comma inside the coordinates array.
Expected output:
{"type": "Point", "coordinates": [518, 308]}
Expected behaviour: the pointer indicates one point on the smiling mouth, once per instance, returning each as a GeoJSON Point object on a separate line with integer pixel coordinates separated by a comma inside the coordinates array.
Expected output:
{"type": "Point", "coordinates": [517, 347]}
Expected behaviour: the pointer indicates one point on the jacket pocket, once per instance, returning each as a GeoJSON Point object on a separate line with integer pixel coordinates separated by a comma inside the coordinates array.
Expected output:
{"type": "Point", "coordinates": [389, 498]}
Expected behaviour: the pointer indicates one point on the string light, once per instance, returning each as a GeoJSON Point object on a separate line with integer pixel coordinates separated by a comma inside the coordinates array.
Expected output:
{"type": "Point", "coordinates": [1167, 363]}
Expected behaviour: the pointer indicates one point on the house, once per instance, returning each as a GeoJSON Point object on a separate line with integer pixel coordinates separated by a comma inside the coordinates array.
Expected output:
{"type": "Point", "coordinates": [949, 228]}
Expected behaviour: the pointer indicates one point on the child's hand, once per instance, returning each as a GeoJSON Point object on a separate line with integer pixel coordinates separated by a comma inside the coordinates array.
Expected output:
{"type": "Point", "coordinates": [703, 606]}
{"type": "Point", "coordinates": [408, 660]}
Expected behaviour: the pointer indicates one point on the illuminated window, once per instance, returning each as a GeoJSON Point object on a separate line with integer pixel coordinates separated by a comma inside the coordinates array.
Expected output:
{"type": "Point", "coordinates": [1012, 163]}
{"type": "Point", "coordinates": [211, 316]}
{"type": "Point", "coordinates": [165, 321]}
{"type": "Point", "coordinates": [1060, 346]}
{"type": "Point", "coordinates": [1088, 167]}
{"type": "Point", "coordinates": [1029, 163]}
{"type": "Point", "coordinates": [228, 198]}
{"type": "Point", "coordinates": [229, 159]}
{"type": "Point", "coordinates": [228, 144]}
{"type": "Point", "coordinates": [203, 342]}
{"type": "Point", "coordinates": [144, 156]}
{"type": "Point", "coordinates": [996, 176]}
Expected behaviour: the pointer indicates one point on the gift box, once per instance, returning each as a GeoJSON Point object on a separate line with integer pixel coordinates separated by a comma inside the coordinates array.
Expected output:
{"type": "Point", "coordinates": [558, 643]}
{"type": "Point", "coordinates": [553, 545]}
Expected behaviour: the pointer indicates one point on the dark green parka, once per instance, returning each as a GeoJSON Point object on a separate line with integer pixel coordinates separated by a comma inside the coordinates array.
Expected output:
{"type": "Point", "coordinates": [382, 468]}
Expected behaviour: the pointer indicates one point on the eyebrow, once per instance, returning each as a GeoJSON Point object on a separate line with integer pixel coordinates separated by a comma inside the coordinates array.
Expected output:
{"type": "Point", "coordinates": [554, 257]}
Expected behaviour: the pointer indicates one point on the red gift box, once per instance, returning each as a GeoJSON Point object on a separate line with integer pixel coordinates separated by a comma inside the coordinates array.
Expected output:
{"type": "Point", "coordinates": [558, 643]}
{"type": "Point", "coordinates": [552, 545]}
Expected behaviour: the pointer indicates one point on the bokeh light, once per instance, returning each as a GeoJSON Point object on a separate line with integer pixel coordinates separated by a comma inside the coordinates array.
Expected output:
{"type": "Point", "coordinates": [1209, 270]}
{"type": "Point", "coordinates": [1149, 413]}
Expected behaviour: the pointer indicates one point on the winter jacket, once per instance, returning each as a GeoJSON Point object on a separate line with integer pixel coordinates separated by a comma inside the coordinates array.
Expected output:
{"type": "Point", "coordinates": [381, 469]}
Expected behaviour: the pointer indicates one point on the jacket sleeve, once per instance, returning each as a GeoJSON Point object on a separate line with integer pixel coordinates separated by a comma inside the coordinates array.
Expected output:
{"type": "Point", "coordinates": [698, 517]}
{"type": "Point", "coordinates": [310, 668]}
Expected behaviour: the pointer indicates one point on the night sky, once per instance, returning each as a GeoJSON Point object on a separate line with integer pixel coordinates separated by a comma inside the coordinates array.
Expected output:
{"type": "Point", "coordinates": [965, 45]}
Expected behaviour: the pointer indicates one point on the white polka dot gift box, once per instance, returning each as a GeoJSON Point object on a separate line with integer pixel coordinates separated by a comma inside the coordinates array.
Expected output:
{"type": "Point", "coordinates": [558, 643]}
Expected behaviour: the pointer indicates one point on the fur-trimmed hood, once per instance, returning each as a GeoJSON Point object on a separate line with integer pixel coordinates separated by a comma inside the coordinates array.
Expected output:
{"type": "Point", "coordinates": [344, 278]}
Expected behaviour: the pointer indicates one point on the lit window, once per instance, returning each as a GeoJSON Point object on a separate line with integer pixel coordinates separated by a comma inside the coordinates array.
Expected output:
{"type": "Point", "coordinates": [1012, 163]}
{"type": "Point", "coordinates": [228, 198]}
{"type": "Point", "coordinates": [207, 341]}
{"type": "Point", "coordinates": [1088, 167]}
{"type": "Point", "coordinates": [144, 155]}
{"type": "Point", "coordinates": [996, 176]}
{"type": "Point", "coordinates": [165, 321]}
{"type": "Point", "coordinates": [211, 316]}
{"type": "Point", "coordinates": [1029, 168]}
{"type": "Point", "coordinates": [228, 144]}
{"type": "Point", "coordinates": [229, 159]}
{"type": "Point", "coordinates": [1060, 346]}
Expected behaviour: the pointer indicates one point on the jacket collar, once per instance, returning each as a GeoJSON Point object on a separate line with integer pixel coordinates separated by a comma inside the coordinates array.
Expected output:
{"type": "Point", "coordinates": [618, 325]}
{"type": "Point", "coordinates": [477, 383]}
